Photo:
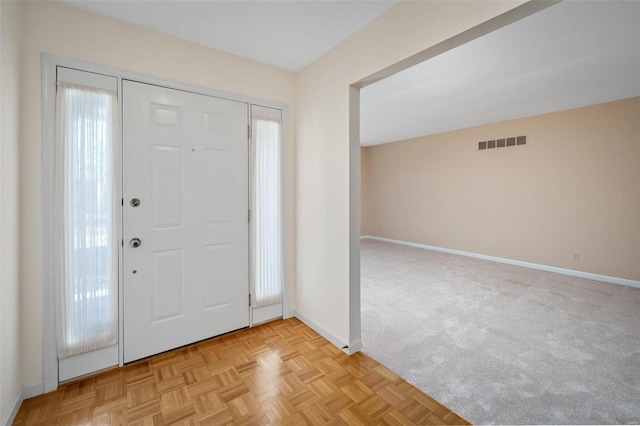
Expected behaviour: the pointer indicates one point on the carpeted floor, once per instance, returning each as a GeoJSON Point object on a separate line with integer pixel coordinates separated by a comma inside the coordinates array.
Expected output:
{"type": "Point", "coordinates": [501, 344]}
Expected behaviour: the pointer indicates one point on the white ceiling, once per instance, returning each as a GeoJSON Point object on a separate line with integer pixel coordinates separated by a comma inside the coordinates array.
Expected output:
{"type": "Point", "coordinates": [573, 54]}
{"type": "Point", "coordinates": [285, 34]}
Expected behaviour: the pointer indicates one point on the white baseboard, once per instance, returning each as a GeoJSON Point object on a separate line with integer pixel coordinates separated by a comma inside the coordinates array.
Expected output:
{"type": "Point", "coordinates": [337, 341]}
{"type": "Point", "coordinates": [34, 389]}
{"type": "Point", "coordinates": [355, 346]}
{"type": "Point", "coordinates": [571, 272]}
{"type": "Point", "coordinates": [13, 410]}
{"type": "Point", "coordinates": [28, 391]}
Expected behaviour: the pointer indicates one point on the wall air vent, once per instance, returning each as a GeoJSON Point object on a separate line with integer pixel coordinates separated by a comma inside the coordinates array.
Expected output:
{"type": "Point", "coordinates": [501, 143]}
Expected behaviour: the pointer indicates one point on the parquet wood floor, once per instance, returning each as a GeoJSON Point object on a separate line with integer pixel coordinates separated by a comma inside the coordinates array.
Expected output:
{"type": "Point", "coordinates": [282, 372]}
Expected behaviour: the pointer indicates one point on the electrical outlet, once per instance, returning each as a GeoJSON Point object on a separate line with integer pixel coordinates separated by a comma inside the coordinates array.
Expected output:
{"type": "Point", "coordinates": [575, 256]}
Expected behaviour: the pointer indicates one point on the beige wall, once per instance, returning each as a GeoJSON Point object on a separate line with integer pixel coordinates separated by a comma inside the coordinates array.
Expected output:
{"type": "Point", "coordinates": [323, 152]}
{"type": "Point", "coordinates": [575, 186]}
{"type": "Point", "coordinates": [10, 377]}
{"type": "Point", "coordinates": [53, 28]}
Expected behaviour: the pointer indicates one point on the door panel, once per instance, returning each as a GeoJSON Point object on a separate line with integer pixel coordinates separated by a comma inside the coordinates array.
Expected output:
{"type": "Point", "coordinates": [216, 165]}
{"type": "Point", "coordinates": [186, 160]}
{"type": "Point", "coordinates": [166, 186]}
{"type": "Point", "coordinates": [167, 284]}
{"type": "Point", "coordinates": [216, 257]}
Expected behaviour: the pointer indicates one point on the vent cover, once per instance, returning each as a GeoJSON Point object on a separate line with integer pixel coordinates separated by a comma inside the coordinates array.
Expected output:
{"type": "Point", "coordinates": [501, 143]}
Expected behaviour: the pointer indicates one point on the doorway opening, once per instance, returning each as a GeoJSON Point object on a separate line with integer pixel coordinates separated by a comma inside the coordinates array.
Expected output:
{"type": "Point", "coordinates": [441, 189]}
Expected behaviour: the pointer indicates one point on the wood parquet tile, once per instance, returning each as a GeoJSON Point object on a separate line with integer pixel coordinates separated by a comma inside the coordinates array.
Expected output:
{"type": "Point", "coordinates": [282, 372]}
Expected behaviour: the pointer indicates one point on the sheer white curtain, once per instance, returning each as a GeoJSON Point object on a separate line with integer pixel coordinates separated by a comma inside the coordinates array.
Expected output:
{"type": "Point", "coordinates": [86, 232]}
{"type": "Point", "coordinates": [266, 214]}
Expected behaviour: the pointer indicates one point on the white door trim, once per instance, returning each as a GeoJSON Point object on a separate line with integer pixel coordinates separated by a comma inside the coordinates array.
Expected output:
{"type": "Point", "coordinates": [48, 86]}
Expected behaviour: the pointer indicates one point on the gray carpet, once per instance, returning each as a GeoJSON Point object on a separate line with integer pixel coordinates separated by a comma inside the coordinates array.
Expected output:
{"type": "Point", "coordinates": [501, 344]}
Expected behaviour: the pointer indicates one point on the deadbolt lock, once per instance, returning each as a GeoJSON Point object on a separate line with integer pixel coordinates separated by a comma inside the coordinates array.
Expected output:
{"type": "Point", "coordinates": [135, 202]}
{"type": "Point", "coordinates": [135, 242]}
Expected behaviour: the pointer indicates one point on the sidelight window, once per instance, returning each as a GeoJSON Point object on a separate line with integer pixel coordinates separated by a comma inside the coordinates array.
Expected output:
{"type": "Point", "coordinates": [86, 210]}
{"type": "Point", "coordinates": [267, 270]}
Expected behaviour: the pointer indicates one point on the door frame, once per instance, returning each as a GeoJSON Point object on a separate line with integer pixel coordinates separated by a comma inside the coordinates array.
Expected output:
{"type": "Point", "coordinates": [49, 63]}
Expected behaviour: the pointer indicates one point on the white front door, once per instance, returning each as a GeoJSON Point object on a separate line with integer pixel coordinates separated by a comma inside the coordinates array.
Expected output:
{"type": "Point", "coordinates": [185, 190]}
